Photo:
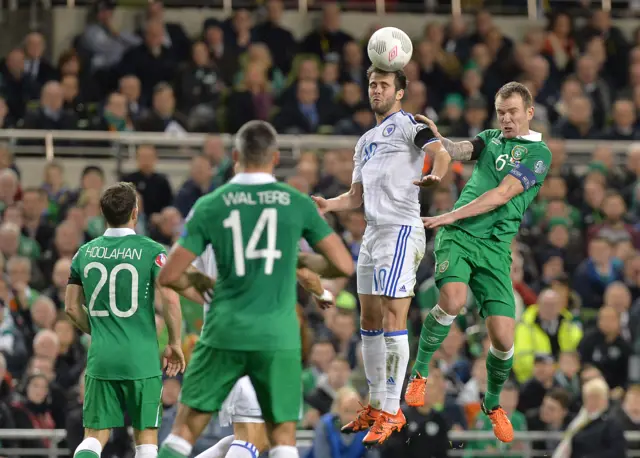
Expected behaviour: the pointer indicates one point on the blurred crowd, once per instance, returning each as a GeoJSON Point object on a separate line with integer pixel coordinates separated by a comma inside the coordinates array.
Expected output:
{"type": "Point", "coordinates": [576, 261]}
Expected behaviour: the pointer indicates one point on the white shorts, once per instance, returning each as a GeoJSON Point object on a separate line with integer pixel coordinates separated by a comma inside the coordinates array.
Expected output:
{"type": "Point", "coordinates": [389, 259]}
{"type": "Point", "coordinates": [241, 406]}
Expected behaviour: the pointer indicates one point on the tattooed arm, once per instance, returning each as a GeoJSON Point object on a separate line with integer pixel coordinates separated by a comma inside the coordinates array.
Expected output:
{"type": "Point", "coordinates": [467, 150]}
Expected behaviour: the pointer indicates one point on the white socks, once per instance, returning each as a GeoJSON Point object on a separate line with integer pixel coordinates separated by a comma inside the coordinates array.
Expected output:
{"type": "Point", "coordinates": [90, 445]}
{"type": "Point", "coordinates": [397, 345]}
{"type": "Point", "coordinates": [146, 451]}
{"type": "Point", "coordinates": [284, 451]}
{"type": "Point", "coordinates": [374, 353]}
{"type": "Point", "coordinates": [219, 450]}
{"type": "Point", "coordinates": [242, 449]}
{"type": "Point", "coordinates": [178, 444]}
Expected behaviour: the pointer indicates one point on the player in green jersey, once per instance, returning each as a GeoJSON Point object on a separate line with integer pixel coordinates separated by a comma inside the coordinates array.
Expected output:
{"type": "Point", "coordinates": [115, 276]}
{"type": "Point", "coordinates": [253, 224]}
{"type": "Point", "coordinates": [473, 247]}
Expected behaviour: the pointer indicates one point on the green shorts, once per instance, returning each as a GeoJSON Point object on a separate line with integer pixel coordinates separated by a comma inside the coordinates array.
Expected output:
{"type": "Point", "coordinates": [483, 264]}
{"type": "Point", "coordinates": [275, 375]}
{"type": "Point", "coordinates": [106, 401]}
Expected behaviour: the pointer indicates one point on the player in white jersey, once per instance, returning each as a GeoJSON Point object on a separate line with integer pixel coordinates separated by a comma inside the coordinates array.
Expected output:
{"type": "Point", "coordinates": [387, 175]}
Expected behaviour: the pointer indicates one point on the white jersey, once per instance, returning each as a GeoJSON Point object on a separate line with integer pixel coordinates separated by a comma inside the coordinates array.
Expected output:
{"type": "Point", "coordinates": [386, 162]}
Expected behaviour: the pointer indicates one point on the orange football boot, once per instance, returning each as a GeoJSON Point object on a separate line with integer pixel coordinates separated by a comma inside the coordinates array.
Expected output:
{"type": "Point", "coordinates": [367, 416]}
{"type": "Point", "coordinates": [386, 424]}
{"type": "Point", "coordinates": [414, 395]}
{"type": "Point", "coordinates": [502, 427]}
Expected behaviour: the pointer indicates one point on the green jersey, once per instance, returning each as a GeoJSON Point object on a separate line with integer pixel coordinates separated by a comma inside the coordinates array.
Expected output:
{"type": "Point", "coordinates": [527, 159]}
{"type": "Point", "coordinates": [117, 272]}
{"type": "Point", "coordinates": [254, 225]}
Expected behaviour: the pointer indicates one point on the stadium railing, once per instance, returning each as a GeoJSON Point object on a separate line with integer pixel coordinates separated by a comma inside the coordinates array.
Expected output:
{"type": "Point", "coordinates": [88, 144]}
{"type": "Point", "coordinates": [305, 439]}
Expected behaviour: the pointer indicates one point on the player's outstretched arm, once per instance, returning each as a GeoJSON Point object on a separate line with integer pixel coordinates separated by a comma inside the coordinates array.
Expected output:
{"type": "Point", "coordinates": [347, 201]}
{"type": "Point", "coordinates": [490, 200]}
{"type": "Point", "coordinates": [333, 261]}
{"type": "Point", "coordinates": [73, 300]}
{"type": "Point", "coordinates": [312, 283]}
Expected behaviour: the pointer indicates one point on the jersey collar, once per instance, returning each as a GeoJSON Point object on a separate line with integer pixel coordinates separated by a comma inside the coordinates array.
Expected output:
{"type": "Point", "coordinates": [119, 232]}
{"type": "Point", "coordinates": [253, 178]}
{"type": "Point", "coordinates": [533, 136]}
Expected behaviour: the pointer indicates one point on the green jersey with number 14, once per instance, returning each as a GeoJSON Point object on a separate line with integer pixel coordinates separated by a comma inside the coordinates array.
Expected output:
{"type": "Point", "coordinates": [254, 225]}
{"type": "Point", "coordinates": [117, 272]}
{"type": "Point", "coordinates": [526, 158]}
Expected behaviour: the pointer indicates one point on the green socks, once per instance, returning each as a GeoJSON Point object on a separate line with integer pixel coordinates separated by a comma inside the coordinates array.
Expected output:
{"type": "Point", "coordinates": [86, 454]}
{"type": "Point", "coordinates": [434, 330]}
{"type": "Point", "coordinates": [498, 370]}
{"type": "Point", "coordinates": [168, 452]}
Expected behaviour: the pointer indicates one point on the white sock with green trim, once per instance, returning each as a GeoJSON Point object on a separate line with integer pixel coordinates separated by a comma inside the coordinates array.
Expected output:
{"type": "Point", "coordinates": [89, 448]}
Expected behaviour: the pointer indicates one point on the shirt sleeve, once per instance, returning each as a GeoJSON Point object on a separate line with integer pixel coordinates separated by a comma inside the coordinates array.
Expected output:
{"type": "Point", "coordinates": [75, 278]}
{"type": "Point", "coordinates": [315, 227]}
{"type": "Point", "coordinates": [194, 236]}
{"type": "Point", "coordinates": [533, 168]}
{"type": "Point", "coordinates": [357, 163]}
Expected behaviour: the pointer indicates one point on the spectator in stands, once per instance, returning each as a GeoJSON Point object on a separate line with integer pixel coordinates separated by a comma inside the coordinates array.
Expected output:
{"type": "Point", "coordinates": [280, 41]}
{"type": "Point", "coordinates": [43, 313]}
{"type": "Point", "coordinates": [614, 226]}
{"type": "Point", "coordinates": [152, 62]}
{"type": "Point", "coordinates": [33, 411]}
{"type": "Point", "coordinates": [251, 99]}
{"type": "Point", "coordinates": [9, 185]}
{"type": "Point", "coordinates": [16, 87]}
{"type": "Point", "coordinates": [223, 55]}
{"type": "Point", "coordinates": [238, 30]}
{"type": "Point", "coordinates": [36, 66]}
{"type": "Point", "coordinates": [72, 355]}
{"type": "Point", "coordinates": [552, 415]}
{"type": "Point", "coordinates": [624, 126]}
{"type": "Point", "coordinates": [35, 225]}
{"type": "Point", "coordinates": [72, 103]}
{"type": "Point", "coordinates": [167, 227]}
{"type": "Point", "coordinates": [163, 116]}
{"type": "Point", "coordinates": [605, 348]}
{"type": "Point", "coordinates": [324, 394]}
{"type": "Point", "coordinates": [596, 272]}
{"type": "Point", "coordinates": [199, 85]}
{"type": "Point", "coordinates": [567, 375]}
{"type": "Point", "coordinates": [102, 41]}
{"type": "Point", "coordinates": [153, 186]}
{"type": "Point", "coordinates": [544, 328]}
{"type": "Point", "coordinates": [559, 45]}
{"type": "Point", "coordinates": [308, 114]}
{"type": "Point", "coordinates": [65, 244]}
{"type": "Point", "coordinates": [594, 431]}
{"type": "Point", "coordinates": [358, 124]}
{"type": "Point", "coordinates": [327, 42]}
{"type": "Point", "coordinates": [51, 115]}
{"type": "Point", "coordinates": [175, 37]}
{"type": "Point", "coordinates": [19, 270]}
{"type": "Point", "coordinates": [6, 415]}
{"type": "Point", "coordinates": [578, 123]}
{"type": "Point", "coordinates": [198, 184]}
{"type": "Point", "coordinates": [628, 414]}
{"type": "Point", "coordinates": [129, 86]}
{"type": "Point", "coordinates": [115, 116]}
{"type": "Point", "coordinates": [618, 297]}
{"type": "Point", "coordinates": [532, 391]}
{"type": "Point", "coordinates": [59, 279]}
{"type": "Point", "coordinates": [328, 441]}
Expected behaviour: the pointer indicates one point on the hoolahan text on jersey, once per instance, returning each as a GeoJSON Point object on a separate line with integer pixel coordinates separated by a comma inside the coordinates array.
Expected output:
{"type": "Point", "coordinates": [101, 252]}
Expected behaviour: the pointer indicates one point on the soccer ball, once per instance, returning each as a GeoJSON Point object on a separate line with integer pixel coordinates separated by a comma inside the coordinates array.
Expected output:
{"type": "Point", "coordinates": [389, 49]}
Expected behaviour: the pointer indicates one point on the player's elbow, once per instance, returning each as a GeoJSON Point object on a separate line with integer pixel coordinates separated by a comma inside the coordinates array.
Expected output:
{"type": "Point", "coordinates": [165, 278]}
{"type": "Point", "coordinates": [503, 194]}
{"type": "Point", "coordinates": [355, 195]}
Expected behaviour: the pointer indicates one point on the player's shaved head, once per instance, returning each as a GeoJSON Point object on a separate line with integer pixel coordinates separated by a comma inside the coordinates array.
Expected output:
{"type": "Point", "coordinates": [256, 143]}
{"type": "Point", "coordinates": [118, 203]}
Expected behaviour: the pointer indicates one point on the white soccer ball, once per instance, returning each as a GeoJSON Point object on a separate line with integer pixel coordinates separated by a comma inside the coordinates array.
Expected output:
{"type": "Point", "coordinates": [389, 49]}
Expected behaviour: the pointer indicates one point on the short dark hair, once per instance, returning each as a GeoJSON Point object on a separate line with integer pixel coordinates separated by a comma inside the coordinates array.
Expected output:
{"type": "Point", "coordinates": [561, 396]}
{"type": "Point", "coordinates": [399, 81]}
{"type": "Point", "coordinates": [515, 88]}
{"type": "Point", "coordinates": [117, 203]}
{"type": "Point", "coordinates": [256, 142]}
{"type": "Point", "coordinates": [93, 169]}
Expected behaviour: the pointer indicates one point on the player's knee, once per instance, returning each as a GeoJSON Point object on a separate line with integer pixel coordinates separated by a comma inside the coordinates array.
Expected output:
{"type": "Point", "coordinates": [453, 297]}
{"type": "Point", "coordinates": [501, 332]}
{"type": "Point", "coordinates": [371, 320]}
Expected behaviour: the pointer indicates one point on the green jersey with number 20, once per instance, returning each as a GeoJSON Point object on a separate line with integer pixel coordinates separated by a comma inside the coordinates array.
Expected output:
{"type": "Point", "coordinates": [254, 225]}
{"type": "Point", "coordinates": [526, 158]}
{"type": "Point", "coordinates": [117, 272]}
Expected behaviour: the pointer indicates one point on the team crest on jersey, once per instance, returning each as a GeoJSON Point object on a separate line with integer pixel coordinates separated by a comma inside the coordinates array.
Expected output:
{"type": "Point", "coordinates": [161, 259]}
{"type": "Point", "coordinates": [540, 167]}
{"type": "Point", "coordinates": [443, 267]}
{"type": "Point", "coordinates": [391, 128]}
{"type": "Point", "coordinates": [518, 152]}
